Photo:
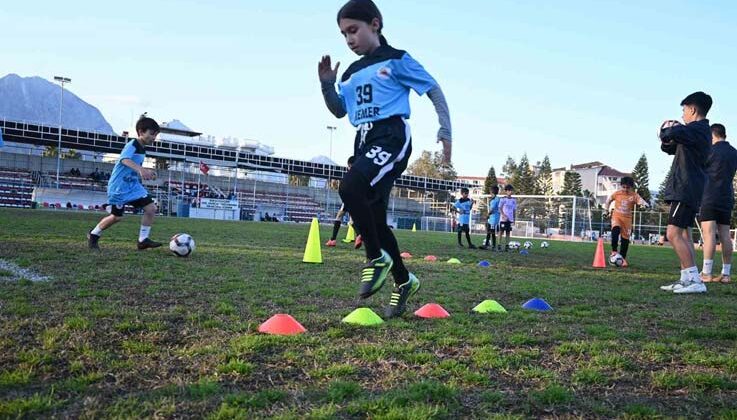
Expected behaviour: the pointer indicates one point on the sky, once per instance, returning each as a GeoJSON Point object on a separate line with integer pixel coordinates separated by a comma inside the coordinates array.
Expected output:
{"type": "Point", "coordinates": [577, 80]}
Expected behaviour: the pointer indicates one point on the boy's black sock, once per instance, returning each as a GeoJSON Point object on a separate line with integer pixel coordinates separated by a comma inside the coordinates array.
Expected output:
{"type": "Point", "coordinates": [615, 238]}
{"type": "Point", "coordinates": [459, 238]}
{"type": "Point", "coordinates": [468, 239]}
{"type": "Point", "coordinates": [336, 228]}
{"type": "Point", "coordinates": [625, 247]}
{"type": "Point", "coordinates": [493, 239]}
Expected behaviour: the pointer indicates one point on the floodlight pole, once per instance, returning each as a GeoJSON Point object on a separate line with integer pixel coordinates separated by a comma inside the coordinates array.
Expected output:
{"type": "Point", "coordinates": [331, 129]}
{"type": "Point", "coordinates": [61, 81]}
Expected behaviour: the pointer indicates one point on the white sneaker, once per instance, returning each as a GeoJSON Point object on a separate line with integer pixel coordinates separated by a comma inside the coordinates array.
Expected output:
{"type": "Point", "coordinates": [673, 286]}
{"type": "Point", "coordinates": [691, 287]}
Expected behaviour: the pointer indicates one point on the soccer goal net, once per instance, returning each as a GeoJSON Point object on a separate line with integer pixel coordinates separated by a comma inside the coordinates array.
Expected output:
{"type": "Point", "coordinates": [563, 217]}
{"type": "Point", "coordinates": [437, 224]}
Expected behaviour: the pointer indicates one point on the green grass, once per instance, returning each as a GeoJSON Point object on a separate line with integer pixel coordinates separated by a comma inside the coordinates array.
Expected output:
{"type": "Point", "coordinates": [146, 334]}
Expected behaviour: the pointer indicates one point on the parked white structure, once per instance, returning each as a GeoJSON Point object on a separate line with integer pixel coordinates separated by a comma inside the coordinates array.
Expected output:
{"type": "Point", "coordinates": [596, 177]}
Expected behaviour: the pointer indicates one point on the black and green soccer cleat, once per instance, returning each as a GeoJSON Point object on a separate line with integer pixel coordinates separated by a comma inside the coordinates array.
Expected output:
{"type": "Point", "coordinates": [398, 302]}
{"type": "Point", "coordinates": [373, 275]}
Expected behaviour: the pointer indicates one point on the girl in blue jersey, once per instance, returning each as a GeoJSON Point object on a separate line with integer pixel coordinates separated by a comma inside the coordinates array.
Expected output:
{"type": "Point", "coordinates": [374, 93]}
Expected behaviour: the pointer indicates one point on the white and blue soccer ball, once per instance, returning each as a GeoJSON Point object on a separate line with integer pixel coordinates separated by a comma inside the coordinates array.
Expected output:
{"type": "Point", "coordinates": [182, 245]}
{"type": "Point", "coordinates": [527, 245]}
{"type": "Point", "coordinates": [544, 244]}
{"type": "Point", "coordinates": [514, 245]}
{"type": "Point", "coordinates": [616, 260]}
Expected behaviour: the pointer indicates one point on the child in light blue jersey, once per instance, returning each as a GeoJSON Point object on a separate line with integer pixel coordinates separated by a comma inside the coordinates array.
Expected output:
{"type": "Point", "coordinates": [126, 189]}
{"type": "Point", "coordinates": [507, 214]}
{"type": "Point", "coordinates": [463, 207]}
{"type": "Point", "coordinates": [492, 224]}
{"type": "Point", "coordinates": [374, 93]}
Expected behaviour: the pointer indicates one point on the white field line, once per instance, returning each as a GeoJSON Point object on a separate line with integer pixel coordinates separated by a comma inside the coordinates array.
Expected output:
{"type": "Point", "coordinates": [18, 273]}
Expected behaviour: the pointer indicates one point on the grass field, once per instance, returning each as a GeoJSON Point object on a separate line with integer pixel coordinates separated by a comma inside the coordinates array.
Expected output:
{"type": "Point", "coordinates": [146, 334]}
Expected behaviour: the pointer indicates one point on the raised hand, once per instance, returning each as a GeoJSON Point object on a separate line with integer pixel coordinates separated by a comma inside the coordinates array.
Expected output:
{"type": "Point", "coordinates": [325, 70]}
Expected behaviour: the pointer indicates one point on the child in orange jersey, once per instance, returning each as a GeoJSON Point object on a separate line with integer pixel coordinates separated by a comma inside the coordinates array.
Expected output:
{"type": "Point", "coordinates": [624, 201]}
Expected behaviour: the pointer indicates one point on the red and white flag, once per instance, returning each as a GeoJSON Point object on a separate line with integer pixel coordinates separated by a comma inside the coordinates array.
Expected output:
{"type": "Point", "coordinates": [204, 168]}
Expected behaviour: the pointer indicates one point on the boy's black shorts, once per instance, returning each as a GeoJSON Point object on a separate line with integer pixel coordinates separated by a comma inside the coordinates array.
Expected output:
{"type": "Point", "coordinates": [505, 226]}
{"type": "Point", "coordinates": [138, 203]}
{"type": "Point", "coordinates": [681, 214]}
{"type": "Point", "coordinates": [463, 228]}
{"type": "Point", "coordinates": [382, 155]}
{"type": "Point", "coordinates": [490, 228]}
{"type": "Point", "coordinates": [720, 216]}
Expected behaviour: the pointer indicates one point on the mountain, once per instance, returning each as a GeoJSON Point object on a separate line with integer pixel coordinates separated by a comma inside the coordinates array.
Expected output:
{"type": "Point", "coordinates": [322, 159]}
{"type": "Point", "coordinates": [36, 100]}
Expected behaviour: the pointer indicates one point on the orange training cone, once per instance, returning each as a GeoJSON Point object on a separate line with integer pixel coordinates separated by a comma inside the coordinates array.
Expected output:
{"type": "Point", "coordinates": [281, 324]}
{"type": "Point", "coordinates": [432, 310]}
{"type": "Point", "coordinates": [599, 260]}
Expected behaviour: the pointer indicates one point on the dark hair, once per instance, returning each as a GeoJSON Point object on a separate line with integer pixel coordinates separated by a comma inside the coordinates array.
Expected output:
{"type": "Point", "coordinates": [464, 190]}
{"type": "Point", "coordinates": [627, 180]}
{"type": "Point", "coordinates": [365, 11]}
{"type": "Point", "coordinates": [719, 131]}
{"type": "Point", "coordinates": [508, 187]}
{"type": "Point", "coordinates": [701, 101]}
{"type": "Point", "coordinates": [351, 160]}
{"type": "Point", "coordinates": [145, 123]}
{"type": "Point", "coordinates": [495, 189]}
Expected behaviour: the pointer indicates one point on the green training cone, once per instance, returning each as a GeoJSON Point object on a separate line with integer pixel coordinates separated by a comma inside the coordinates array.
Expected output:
{"type": "Point", "coordinates": [313, 253]}
{"type": "Point", "coordinates": [363, 316]}
{"type": "Point", "coordinates": [489, 306]}
{"type": "Point", "coordinates": [454, 261]}
{"type": "Point", "coordinates": [350, 236]}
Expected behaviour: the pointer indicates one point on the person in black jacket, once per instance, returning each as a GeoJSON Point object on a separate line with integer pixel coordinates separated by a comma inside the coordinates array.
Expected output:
{"type": "Point", "coordinates": [689, 145]}
{"type": "Point", "coordinates": [717, 203]}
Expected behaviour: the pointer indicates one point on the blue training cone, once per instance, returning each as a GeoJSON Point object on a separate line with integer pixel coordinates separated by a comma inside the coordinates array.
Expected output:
{"type": "Point", "coordinates": [484, 263]}
{"type": "Point", "coordinates": [537, 304]}
{"type": "Point", "coordinates": [524, 252]}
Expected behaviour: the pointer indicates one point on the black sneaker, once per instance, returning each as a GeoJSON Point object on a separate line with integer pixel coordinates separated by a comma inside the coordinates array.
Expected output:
{"type": "Point", "coordinates": [398, 302]}
{"type": "Point", "coordinates": [471, 246]}
{"type": "Point", "coordinates": [373, 275]}
{"type": "Point", "coordinates": [460, 245]}
{"type": "Point", "coordinates": [148, 243]}
{"type": "Point", "coordinates": [484, 247]}
{"type": "Point", "coordinates": [92, 241]}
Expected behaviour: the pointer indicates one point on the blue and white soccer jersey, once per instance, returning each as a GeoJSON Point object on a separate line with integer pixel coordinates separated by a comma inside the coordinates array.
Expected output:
{"type": "Point", "coordinates": [464, 210]}
{"type": "Point", "coordinates": [494, 216]}
{"type": "Point", "coordinates": [124, 186]}
{"type": "Point", "coordinates": [375, 92]}
{"type": "Point", "coordinates": [377, 86]}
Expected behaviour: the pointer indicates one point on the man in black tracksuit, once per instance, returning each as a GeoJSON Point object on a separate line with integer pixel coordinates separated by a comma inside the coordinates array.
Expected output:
{"type": "Point", "coordinates": [690, 145]}
{"type": "Point", "coordinates": [717, 203]}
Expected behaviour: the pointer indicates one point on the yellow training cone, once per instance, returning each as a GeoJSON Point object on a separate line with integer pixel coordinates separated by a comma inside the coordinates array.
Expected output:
{"type": "Point", "coordinates": [414, 227]}
{"type": "Point", "coordinates": [313, 253]}
{"type": "Point", "coordinates": [350, 236]}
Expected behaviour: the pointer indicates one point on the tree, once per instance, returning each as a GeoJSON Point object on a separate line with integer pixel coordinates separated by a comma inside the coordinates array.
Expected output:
{"type": "Point", "coordinates": [660, 204]}
{"type": "Point", "coordinates": [642, 178]}
{"type": "Point", "coordinates": [545, 178]}
{"type": "Point", "coordinates": [431, 165]}
{"type": "Point", "coordinates": [490, 181]}
{"type": "Point", "coordinates": [50, 151]}
{"type": "Point", "coordinates": [524, 180]}
{"type": "Point", "coordinates": [70, 154]}
{"type": "Point", "coordinates": [509, 168]}
{"type": "Point", "coordinates": [572, 184]}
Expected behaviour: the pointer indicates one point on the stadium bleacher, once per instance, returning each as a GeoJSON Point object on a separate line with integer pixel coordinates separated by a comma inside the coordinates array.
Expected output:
{"type": "Point", "coordinates": [16, 188]}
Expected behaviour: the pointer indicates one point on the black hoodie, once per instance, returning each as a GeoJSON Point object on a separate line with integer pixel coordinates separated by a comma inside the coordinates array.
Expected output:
{"type": "Point", "coordinates": [690, 145]}
{"type": "Point", "coordinates": [720, 168]}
